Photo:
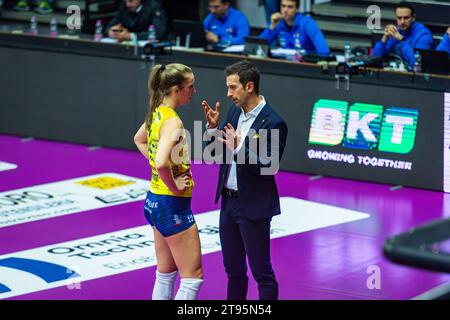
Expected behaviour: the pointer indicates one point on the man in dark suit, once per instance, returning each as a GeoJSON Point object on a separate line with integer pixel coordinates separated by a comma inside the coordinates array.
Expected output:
{"type": "Point", "coordinates": [246, 180]}
{"type": "Point", "coordinates": [134, 18]}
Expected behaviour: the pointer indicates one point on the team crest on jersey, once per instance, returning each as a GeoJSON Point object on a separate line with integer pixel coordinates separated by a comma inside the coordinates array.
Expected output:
{"type": "Point", "coordinates": [177, 219]}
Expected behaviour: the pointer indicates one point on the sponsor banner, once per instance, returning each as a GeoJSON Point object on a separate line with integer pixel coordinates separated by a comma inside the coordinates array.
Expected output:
{"type": "Point", "coordinates": [7, 166]}
{"type": "Point", "coordinates": [70, 263]}
{"type": "Point", "coordinates": [373, 137]}
{"type": "Point", "coordinates": [69, 196]}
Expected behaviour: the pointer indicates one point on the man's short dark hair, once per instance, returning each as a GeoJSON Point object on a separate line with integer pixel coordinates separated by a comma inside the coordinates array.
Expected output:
{"type": "Point", "coordinates": [223, 1]}
{"type": "Point", "coordinates": [407, 5]}
{"type": "Point", "coordinates": [297, 2]}
{"type": "Point", "coordinates": [246, 71]}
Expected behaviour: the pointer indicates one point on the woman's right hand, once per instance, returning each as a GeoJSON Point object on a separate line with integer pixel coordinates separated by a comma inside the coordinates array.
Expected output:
{"type": "Point", "coordinates": [183, 182]}
{"type": "Point", "coordinates": [212, 116]}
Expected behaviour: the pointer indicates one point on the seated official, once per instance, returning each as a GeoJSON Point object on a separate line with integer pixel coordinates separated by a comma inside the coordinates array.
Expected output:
{"type": "Point", "coordinates": [134, 18]}
{"type": "Point", "coordinates": [444, 45]}
{"type": "Point", "coordinates": [289, 23]}
{"type": "Point", "coordinates": [405, 37]}
{"type": "Point", "coordinates": [224, 25]}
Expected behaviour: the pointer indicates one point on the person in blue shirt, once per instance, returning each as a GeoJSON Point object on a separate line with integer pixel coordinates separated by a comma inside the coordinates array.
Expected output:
{"type": "Point", "coordinates": [444, 45]}
{"type": "Point", "coordinates": [225, 25]}
{"type": "Point", "coordinates": [405, 37]}
{"type": "Point", "coordinates": [289, 27]}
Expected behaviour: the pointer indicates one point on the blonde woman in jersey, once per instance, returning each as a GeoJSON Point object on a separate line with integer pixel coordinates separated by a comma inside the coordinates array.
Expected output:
{"type": "Point", "coordinates": [167, 207]}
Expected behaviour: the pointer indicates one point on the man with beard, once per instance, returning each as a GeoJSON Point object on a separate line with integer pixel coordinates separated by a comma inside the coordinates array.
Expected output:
{"type": "Point", "coordinates": [224, 25]}
{"type": "Point", "coordinates": [246, 183]}
{"type": "Point", "coordinates": [405, 37]}
{"type": "Point", "coordinates": [290, 26]}
{"type": "Point", "coordinates": [134, 18]}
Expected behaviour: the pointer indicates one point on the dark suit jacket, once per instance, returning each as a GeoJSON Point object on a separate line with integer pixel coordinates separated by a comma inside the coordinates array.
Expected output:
{"type": "Point", "coordinates": [138, 22]}
{"type": "Point", "coordinates": [258, 194]}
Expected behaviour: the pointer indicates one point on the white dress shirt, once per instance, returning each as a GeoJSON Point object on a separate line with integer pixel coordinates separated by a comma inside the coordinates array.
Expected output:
{"type": "Point", "coordinates": [245, 122]}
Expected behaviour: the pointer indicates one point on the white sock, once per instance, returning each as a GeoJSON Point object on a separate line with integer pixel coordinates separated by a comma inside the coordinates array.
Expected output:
{"type": "Point", "coordinates": [163, 289]}
{"type": "Point", "coordinates": [189, 288]}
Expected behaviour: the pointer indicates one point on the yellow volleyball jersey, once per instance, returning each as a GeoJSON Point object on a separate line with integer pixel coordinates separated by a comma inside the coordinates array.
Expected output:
{"type": "Point", "coordinates": [157, 186]}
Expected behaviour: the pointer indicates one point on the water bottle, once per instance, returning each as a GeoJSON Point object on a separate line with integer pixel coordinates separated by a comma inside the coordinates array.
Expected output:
{"type": "Point", "coordinates": [53, 28]}
{"type": "Point", "coordinates": [33, 26]}
{"type": "Point", "coordinates": [417, 62]}
{"type": "Point", "coordinates": [260, 52]}
{"type": "Point", "coordinates": [347, 52]}
{"type": "Point", "coordinates": [297, 43]}
{"type": "Point", "coordinates": [152, 33]}
{"type": "Point", "coordinates": [98, 31]}
{"type": "Point", "coordinates": [299, 51]}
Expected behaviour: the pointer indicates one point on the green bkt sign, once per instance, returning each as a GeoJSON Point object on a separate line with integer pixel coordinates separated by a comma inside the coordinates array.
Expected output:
{"type": "Point", "coordinates": [363, 126]}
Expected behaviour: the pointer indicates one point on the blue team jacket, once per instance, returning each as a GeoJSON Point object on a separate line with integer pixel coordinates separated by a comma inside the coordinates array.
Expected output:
{"type": "Point", "coordinates": [417, 37]}
{"type": "Point", "coordinates": [232, 27]}
{"type": "Point", "coordinates": [444, 45]}
{"type": "Point", "coordinates": [311, 38]}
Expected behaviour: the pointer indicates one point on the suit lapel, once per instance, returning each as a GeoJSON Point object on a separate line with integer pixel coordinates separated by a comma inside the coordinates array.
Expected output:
{"type": "Point", "coordinates": [261, 118]}
{"type": "Point", "coordinates": [235, 117]}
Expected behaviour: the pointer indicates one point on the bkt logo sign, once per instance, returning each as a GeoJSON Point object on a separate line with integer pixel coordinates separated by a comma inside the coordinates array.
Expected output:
{"type": "Point", "coordinates": [49, 272]}
{"type": "Point", "coordinates": [363, 126]}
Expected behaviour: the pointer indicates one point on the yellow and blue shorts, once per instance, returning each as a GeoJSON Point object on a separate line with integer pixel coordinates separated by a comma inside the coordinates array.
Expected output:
{"type": "Point", "coordinates": [169, 214]}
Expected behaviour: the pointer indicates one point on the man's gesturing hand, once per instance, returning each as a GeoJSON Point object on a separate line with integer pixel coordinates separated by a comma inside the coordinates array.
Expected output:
{"type": "Point", "coordinates": [212, 116]}
{"type": "Point", "coordinates": [231, 137]}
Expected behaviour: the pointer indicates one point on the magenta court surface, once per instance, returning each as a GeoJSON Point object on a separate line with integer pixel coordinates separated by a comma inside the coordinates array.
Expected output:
{"type": "Point", "coordinates": [72, 227]}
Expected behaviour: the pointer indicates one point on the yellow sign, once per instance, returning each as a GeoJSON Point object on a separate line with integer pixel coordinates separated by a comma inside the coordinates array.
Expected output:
{"type": "Point", "coordinates": [104, 183]}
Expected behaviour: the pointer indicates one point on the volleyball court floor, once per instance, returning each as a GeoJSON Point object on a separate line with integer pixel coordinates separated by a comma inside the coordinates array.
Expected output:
{"type": "Point", "coordinates": [72, 227]}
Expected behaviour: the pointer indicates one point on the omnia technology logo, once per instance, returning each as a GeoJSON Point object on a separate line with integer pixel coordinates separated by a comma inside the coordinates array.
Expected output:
{"type": "Point", "coordinates": [363, 126]}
